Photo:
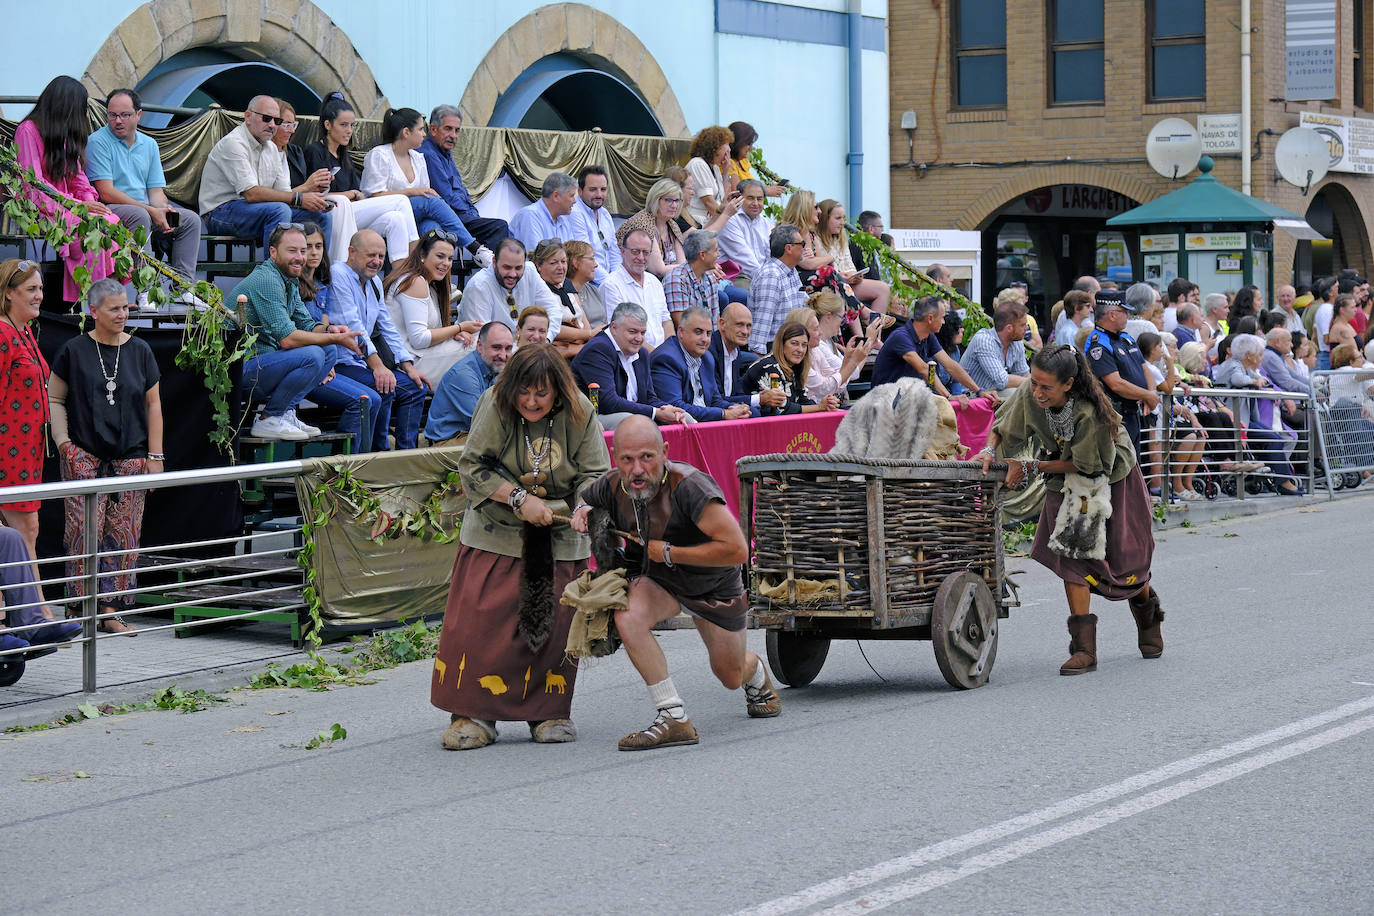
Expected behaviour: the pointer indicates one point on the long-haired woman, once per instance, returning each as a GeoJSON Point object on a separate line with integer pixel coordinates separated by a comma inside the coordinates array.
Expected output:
{"type": "Point", "coordinates": [834, 241]}
{"type": "Point", "coordinates": [1064, 410]}
{"type": "Point", "coordinates": [52, 142]}
{"type": "Point", "coordinates": [396, 166]}
{"type": "Point", "coordinates": [389, 215]}
{"type": "Point", "coordinates": [419, 298]}
{"type": "Point", "coordinates": [787, 367]}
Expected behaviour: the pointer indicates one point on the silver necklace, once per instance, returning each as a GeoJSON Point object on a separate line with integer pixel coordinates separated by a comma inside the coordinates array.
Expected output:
{"type": "Point", "coordinates": [1061, 422]}
{"type": "Point", "coordinates": [537, 458]}
{"type": "Point", "coordinates": [110, 377]}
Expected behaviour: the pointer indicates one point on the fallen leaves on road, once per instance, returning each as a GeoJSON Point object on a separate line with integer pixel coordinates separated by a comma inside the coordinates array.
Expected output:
{"type": "Point", "coordinates": [247, 728]}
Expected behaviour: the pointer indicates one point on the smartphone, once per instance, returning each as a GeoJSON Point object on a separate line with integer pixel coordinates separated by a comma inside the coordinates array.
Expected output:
{"type": "Point", "coordinates": [334, 171]}
{"type": "Point", "coordinates": [173, 218]}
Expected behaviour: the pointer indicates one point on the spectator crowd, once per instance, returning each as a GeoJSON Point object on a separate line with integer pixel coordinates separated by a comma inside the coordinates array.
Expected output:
{"type": "Point", "coordinates": [386, 297]}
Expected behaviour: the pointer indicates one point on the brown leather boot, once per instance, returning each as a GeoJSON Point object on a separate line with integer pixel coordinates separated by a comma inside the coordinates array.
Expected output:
{"type": "Point", "coordinates": [1147, 614]}
{"type": "Point", "coordinates": [1082, 645]}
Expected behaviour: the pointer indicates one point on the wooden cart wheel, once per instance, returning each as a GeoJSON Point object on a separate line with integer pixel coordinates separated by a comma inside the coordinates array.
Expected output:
{"type": "Point", "coordinates": [963, 630]}
{"type": "Point", "coordinates": [795, 658]}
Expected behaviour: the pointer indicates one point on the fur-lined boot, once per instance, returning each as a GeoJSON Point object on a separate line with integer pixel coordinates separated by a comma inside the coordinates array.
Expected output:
{"type": "Point", "coordinates": [1147, 613]}
{"type": "Point", "coordinates": [1082, 645]}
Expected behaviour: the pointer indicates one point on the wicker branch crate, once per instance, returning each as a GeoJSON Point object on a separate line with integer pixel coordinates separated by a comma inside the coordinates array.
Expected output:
{"type": "Point", "coordinates": [880, 536]}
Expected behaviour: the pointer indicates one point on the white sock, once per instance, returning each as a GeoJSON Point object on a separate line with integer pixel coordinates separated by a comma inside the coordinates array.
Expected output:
{"type": "Point", "coordinates": [756, 679]}
{"type": "Point", "coordinates": [664, 696]}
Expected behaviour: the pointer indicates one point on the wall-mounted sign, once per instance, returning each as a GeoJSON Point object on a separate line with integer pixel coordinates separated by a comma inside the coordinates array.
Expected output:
{"type": "Point", "coordinates": [1070, 200]}
{"type": "Point", "coordinates": [1310, 43]}
{"type": "Point", "coordinates": [1167, 242]}
{"type": "Point", "coordinates": [1220, 133]}
{"type": "Point", "coordinates": [1207, 241]}
{"type": "Point", "coordinates": [1349, 140]}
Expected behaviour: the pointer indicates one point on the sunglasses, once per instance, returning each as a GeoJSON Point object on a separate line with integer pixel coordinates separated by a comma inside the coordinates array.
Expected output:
{"type": "Point", "coordinates": [442, 235]}
{"type": "Point", "coordinates": [299, 227]}
{"type": "Point", "coordinates": [267, 118]}
{"type": "Point", "coordinates": [510, 304]}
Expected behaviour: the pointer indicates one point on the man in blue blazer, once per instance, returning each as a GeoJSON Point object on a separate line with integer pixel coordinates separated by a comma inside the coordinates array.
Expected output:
{"type": "Point", "coordinates": [730, 348]}
{"type": "Point", "coordinates": [617, 362]}
{"type": "Point", "coordinates": [684, 374]}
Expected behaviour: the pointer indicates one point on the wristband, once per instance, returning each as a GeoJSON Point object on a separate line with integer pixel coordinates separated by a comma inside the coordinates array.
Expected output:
{"type": "Point", "coordinates": [156, 456]}
{"type": "Point", "coordinates": [667, 555]}
{"type": "Point", "coordinates": [517, 498]}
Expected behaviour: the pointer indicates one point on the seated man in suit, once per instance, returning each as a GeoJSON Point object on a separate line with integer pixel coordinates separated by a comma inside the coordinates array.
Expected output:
{"type": "Point", "coordinates": [616, 361]}
{"type": "Point", "coordinates": [683, 373]}
{"type": "Point", "coordinates": [730, 356]}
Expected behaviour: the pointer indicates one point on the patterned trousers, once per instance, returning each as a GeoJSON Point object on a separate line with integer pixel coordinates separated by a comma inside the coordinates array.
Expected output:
{"type": "Point", "coordinates": [118, 520]}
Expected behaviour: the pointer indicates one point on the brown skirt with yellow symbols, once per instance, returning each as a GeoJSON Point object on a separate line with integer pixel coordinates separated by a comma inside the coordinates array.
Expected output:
{"type": "Point", "coordinates": [485, 669]}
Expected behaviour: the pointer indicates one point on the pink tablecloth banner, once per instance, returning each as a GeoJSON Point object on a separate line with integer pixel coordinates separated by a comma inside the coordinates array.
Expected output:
{"type": "Point", "coordinates": [714, 447]}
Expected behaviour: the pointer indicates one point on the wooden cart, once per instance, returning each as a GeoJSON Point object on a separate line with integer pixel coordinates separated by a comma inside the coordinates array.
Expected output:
{"type": "Point", "coordinates": [859, 548]}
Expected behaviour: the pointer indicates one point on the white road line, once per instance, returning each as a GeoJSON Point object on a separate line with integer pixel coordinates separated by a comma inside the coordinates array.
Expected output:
{"type": "Point", "coordinates": [1095, 821]}
{"type": "Point", "coordinates": [818, 893]}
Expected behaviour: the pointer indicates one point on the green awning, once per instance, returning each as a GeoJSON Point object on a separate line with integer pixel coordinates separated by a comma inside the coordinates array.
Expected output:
{"type": "Point", "coordinates": [1206, 200]}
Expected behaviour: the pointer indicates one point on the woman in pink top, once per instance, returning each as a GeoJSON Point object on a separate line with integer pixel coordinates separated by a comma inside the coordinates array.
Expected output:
{"type": "Point", "coordinates": [52, 142]}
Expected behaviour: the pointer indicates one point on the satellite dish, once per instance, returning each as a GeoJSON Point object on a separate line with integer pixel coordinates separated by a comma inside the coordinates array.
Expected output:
{"type": "Point", "coordinates": [1302, 157]}
{"type": "Point", "coordinates": [1173, 148]}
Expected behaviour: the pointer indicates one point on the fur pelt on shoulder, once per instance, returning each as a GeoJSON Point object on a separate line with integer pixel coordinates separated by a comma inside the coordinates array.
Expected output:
{"type": "Point", "coordinates": [1080, 526]}
{"type": "Point", "coordinates": [902, 419]}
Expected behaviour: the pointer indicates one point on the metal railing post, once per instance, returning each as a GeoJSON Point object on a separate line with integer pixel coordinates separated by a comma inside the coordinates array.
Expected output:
{"type": "Point", "coordinates": [1166, 433]}
{"type": "Point", "coordinates": [90, 606]}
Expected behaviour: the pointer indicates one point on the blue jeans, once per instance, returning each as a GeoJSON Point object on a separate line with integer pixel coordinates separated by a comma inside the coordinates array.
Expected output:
{"type": "Point", "coordinates": [239, 218]}
{"type": "Point", "coordinates": [364, 410]}
{"type": "Point", "coordinates": [435, 213]}
{"type": "Point", "coordinates": [283, 378]}
{"type": "Point", "coordinates": [404, 406]}
{"type": "Point", "coordinates": [1268, 446]}
{"type": "Point", "coordinates": [1323, 359]}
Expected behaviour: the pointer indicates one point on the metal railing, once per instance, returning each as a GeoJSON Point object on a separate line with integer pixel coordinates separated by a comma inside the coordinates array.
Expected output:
{"type": "Point", "coordinates": [1231, 457]}
{"type": "Point", "coordinates": [214, 564]}
{"type": "Point", "coordinates": [1343, 421]}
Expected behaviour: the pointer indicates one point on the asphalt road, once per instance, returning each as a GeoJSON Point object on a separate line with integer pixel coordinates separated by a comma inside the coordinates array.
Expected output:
{"type": "Point", "coordinates": [1230, 776]}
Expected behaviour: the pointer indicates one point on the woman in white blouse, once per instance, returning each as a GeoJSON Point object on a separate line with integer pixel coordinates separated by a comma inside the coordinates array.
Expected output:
{"type": "Point", "coordinates": [834, 367]}
{"type": "Point", "coordinates": [417, 297]}
{"type": "Point", "coordinates": [710, 154]}
{"type": "Point", "coordinates": [397, 167]}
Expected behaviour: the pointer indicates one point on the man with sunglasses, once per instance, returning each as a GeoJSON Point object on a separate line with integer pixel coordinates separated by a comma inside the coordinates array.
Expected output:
{"type": "Point", "coordinates": [244, 189]}
{"type": "Point", "coordinates": [776, 289]}
{"type": "Point", "coordinates": [126, 168]}
{"type": "Point", "coordinates": [1116, 361]}
{"type": "Point", "coordinates": [508, 287]}
{"type": "Point", "coordinates": [592, 223]}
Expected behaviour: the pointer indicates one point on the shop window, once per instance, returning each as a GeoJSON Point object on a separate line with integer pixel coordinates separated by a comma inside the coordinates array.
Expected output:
{"type": "Point", "coordinates": [979, 31]}
{"type": "Point", "coordinates": [1076, 59]}
{"type": "Point", "coordinates": [1177, 49]}
{"type": "Point", "coordinates": [1018, 259]}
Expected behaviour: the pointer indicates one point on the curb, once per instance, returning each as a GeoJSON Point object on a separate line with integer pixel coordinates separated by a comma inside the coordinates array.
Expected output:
{"type": "Point", "coordinates": [212, 680]}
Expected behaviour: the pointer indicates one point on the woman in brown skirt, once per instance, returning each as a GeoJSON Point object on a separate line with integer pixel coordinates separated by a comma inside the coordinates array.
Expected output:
{"type": "Point", "coordinates": [535, 443]}
{"type": "Point", "coordinates": [1065, 411]}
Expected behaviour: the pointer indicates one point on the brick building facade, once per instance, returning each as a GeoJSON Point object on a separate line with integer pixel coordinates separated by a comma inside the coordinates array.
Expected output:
{"type": "Point", "coordinates": [1038, 177]}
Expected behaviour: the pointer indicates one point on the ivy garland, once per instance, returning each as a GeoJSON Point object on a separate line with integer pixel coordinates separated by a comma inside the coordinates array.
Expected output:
{"type": "Point", "coordinates": [205, 343]}
{"type": "Point", "coordinates": [430, 520]}
{"type": "Point", "coordinates": [908, 282]}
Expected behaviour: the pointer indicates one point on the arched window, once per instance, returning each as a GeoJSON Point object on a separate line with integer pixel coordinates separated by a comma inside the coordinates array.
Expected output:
{"type": "Point", "coordinates": [199, 77]}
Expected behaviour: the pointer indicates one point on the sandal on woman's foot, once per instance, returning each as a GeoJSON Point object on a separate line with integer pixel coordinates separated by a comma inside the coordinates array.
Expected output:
{"type": "Point", "coordinates": [464, 734]}
{"type": "Point", "coordinates": [553, 731]}
{"type": "Point", "coordinates": [117, 625]}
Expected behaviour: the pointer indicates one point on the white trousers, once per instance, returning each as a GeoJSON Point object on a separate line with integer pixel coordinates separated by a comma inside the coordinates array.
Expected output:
{"type": "Point", "coordinates": [389, 216]}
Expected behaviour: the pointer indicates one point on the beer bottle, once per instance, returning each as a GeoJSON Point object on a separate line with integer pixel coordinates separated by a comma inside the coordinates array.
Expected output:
{"type": "Point", "coordinates": [593, 390]}
{"type": "Point", "coordinates": [774, 380]}
{"type": "Point", "coordinates": [930, 375]}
